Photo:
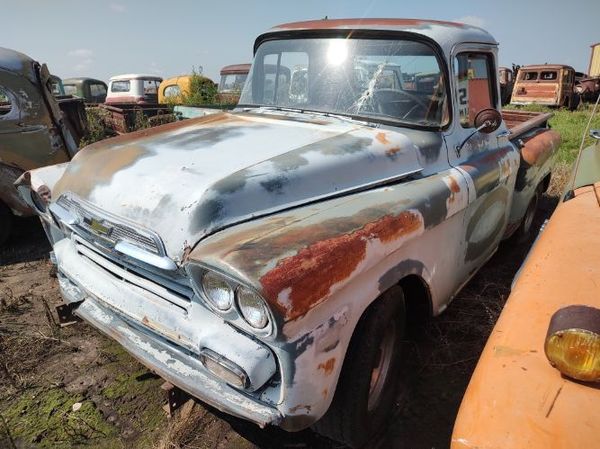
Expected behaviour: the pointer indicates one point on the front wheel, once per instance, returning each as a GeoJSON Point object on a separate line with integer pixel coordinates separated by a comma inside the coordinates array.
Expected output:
{"type": "Point", "coordinates": [6, 219]}
{"type": "Point", "coordinates": [365, 392]}
{"type": "Point", "coordinates": [524, 228]}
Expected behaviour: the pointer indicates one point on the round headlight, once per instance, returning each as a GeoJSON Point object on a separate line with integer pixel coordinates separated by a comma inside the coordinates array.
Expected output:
{"type": "Point", "coordinates": [573, 342]}
{"type": "Point", "coordinates": [217, 291]}
{"type": "Point", "coordinates": [253, 308]}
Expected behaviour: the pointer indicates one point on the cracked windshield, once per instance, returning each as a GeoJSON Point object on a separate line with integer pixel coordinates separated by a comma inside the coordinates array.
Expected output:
{"type": "Point", "coordinates": [399, 80]}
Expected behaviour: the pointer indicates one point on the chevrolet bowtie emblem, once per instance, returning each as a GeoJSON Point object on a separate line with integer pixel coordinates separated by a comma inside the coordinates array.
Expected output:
{"type": "Point", "coordinates": [98, 228]}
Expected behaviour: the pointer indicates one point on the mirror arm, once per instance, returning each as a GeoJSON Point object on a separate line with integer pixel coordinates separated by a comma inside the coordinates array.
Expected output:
{"type": "Point", "coordinates": [458, 148]}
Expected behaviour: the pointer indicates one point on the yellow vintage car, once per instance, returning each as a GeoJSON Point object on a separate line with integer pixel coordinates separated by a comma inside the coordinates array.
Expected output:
{"type": "Point", "coordinates": [537, 383]}
{"type": "Point", "coordinates": [172, 89]}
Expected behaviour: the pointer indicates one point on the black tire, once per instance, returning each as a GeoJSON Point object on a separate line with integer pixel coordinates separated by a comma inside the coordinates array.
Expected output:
{"type": "Point", "coordinates": [349, 419]}
{"type": "Point", "coordinates": [524, 229]}
{"type": "Point", "coordinates": [6, 221]}
{"type": "Point", "coordinates": [574, 103]}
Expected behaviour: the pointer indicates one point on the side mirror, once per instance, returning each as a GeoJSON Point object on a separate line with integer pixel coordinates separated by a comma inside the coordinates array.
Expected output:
{"type": "Point", "coordinates": [488, 120]}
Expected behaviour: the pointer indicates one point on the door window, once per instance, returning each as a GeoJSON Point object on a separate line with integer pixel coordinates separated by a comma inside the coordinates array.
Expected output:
{"type": "Point", "coordinates": [475, 85]}
{"type": "Point", "coordinates": [5, 103]}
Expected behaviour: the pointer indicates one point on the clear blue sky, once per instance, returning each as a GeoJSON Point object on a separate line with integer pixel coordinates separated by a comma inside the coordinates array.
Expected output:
{"type": "Point", "coordinates": [104, 38]}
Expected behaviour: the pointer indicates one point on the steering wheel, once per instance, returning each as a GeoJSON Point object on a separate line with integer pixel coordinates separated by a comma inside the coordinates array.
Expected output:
{"type": "Point", "coordinates": [391, 96]}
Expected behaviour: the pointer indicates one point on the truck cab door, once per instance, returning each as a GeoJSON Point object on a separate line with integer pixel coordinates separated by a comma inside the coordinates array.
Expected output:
{"type": "Point", "coordinates": [28, 136]}
{"type": "Point", "coordinates": [488, 162]}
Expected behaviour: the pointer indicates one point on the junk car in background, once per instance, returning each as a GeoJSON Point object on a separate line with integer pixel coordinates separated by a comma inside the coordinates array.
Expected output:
{"type": "Point", "coordinates": [37, 128]}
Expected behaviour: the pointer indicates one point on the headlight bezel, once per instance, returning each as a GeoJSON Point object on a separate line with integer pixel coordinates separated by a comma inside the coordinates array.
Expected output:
{"type": "Point", "coordinates": [207, 295]}
{"type": "Point", "coordinates": [238, 291]}
{"type": "Point", "coordinates": [196, 271]}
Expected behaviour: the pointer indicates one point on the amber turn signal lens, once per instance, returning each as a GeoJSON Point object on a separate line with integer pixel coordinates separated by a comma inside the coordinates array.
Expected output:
{"type": "Point", "coordinates": [573, 342]}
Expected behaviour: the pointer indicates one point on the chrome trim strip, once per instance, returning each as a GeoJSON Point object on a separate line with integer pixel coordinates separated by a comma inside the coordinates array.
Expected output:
{"type": "Point", "coordinates": [162, 262]}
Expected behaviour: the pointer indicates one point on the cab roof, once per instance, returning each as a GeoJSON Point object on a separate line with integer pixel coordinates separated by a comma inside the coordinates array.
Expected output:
{"type": "Point", "coordinates": [446, 34]}
{"type": "Point", "coordinates": [135, 76]}
{"type": "Point", "coordinates": [235, 68]}
{"type": "Point", "coordinates": [14, 61]}
{"type": "Point", "coordinates": [82, 79]}
{"type": "Point", "coordinates": [546, 67]}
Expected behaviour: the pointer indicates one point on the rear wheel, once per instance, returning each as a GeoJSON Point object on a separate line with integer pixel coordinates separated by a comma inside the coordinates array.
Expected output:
{"type": "Point", "coordinates": [6, 220]}
{"type": "Point", "coordinates": [365, 392]}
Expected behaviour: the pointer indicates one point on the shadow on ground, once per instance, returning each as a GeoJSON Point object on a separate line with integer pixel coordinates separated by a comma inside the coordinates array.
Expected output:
{"type": "Point", "coordinates": [26, 243]}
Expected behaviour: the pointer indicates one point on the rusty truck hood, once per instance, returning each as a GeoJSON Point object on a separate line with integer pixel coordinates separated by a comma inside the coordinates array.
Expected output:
{"type": "Point", "coordinates": [189, 179]}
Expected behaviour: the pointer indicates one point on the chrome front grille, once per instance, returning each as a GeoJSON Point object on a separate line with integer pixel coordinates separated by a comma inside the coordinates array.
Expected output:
{"type": "Point", "coordinates": [173, 287]}
{"type": "Point", "coordinates": [101, 225]}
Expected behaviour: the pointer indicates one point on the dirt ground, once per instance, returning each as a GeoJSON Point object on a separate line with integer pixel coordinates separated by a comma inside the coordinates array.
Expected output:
{"type": "Point", "coordinates": [72, 387]}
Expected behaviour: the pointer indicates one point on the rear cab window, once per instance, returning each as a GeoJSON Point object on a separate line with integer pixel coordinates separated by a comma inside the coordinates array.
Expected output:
{"type": "Point", "coordinates": [475, 82]}
{"type": "Point", "coordinates": [150, 87]}
{"type": "Point", "coordinates": [529, 76]}
{"type": "Point", "coordinates": [232, 82]}
{"type": "Point", "coordinates": [70, 89]}
{"type": "Point", "coordinates": [550, 75]}
{"type": "Point", "coordinates": [97, 90]}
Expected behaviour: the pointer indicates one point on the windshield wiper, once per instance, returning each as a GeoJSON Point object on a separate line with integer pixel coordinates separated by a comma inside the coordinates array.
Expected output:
{"type": "Point", "coordinates": [342, 117]}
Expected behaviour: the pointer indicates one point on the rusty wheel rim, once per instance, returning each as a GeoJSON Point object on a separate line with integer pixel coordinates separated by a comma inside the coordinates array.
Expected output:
{"type": "Point", "coordinates": [381, 370]}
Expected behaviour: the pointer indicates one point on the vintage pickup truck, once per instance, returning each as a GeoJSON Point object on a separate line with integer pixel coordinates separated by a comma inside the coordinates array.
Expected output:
{"type": "Point", "coordinates": [37, 128]}
{"type": "Point", "coordinates": [267, 260]}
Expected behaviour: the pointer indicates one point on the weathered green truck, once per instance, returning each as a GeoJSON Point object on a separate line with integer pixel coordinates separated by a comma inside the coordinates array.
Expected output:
{"type": "Point", "coordinates": [36, 129]}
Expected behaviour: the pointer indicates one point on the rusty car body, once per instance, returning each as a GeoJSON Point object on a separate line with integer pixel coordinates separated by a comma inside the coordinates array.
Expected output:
{"type": "Point", "coordinates": [588, 88]}
{"type": "Point", "coordinates": [507, 81]}
{"type": "Point", "coordinates": [261, 259]}
{"type": "Point", "coordinates": [515, 398]}
{"type": "Point", "coordinates": [231, 83]}
{"type": "Point", "coordinates": [36, 129]}
{"type": "Point", "coordinates": [546, 84]}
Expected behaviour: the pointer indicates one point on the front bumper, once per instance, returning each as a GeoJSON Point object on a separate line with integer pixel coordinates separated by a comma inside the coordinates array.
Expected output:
{"type": "Point", "coordinates": [175, 366]}
{"type": "Point", "coordinates": [164, 339]}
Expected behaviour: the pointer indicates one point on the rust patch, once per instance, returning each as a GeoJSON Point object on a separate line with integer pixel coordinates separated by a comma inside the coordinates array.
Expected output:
{"type": "Point", "coordinates": [392, 152]}
{"type": "Point", "coordinates": [382, 138]}
{"type": "Point", "coordinates": [324, 393]}
{"type": "Point", "coordinates": [295, 408]}
{"type": "Point", "coordinates": [307, 277]}
{"type": "Point", "coordinates": [454, 189]}
{"type": "Point", "coordinates": [153, 325]}
{"type": "Point", "coordinates": [540, 147]}
{"type": "Point", "coordinates": [327, 367]}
